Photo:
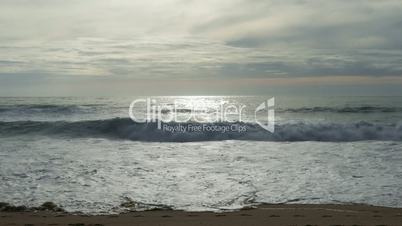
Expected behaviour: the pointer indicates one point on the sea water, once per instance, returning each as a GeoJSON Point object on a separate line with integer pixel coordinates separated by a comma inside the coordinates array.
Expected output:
{"type": "Point", "coordinates": [87, 155]}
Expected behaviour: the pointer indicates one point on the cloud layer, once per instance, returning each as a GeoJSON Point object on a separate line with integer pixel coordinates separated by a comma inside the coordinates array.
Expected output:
{"type": "Point", "coordinates": [46, 40]}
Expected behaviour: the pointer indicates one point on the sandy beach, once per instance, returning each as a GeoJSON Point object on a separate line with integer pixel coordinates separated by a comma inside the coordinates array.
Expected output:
{"type": "Point", "coordinates": [278, 215]}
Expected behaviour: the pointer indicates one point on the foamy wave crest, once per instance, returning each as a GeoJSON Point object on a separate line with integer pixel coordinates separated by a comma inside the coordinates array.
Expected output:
{"type": "Point", "coordinates": [362, 109]}
{"type": "Point", "coordinates": [124, 128]}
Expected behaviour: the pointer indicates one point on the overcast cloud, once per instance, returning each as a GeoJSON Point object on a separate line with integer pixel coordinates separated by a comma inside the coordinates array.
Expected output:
{"type": "Point", "coordinates": [46, 40]}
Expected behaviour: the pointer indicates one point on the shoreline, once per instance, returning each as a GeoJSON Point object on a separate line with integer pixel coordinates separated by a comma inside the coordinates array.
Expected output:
{"type": "Point", "coordinates": [264, 214]}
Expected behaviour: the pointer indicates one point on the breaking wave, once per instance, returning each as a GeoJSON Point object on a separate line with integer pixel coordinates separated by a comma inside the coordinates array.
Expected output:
{"type": "Point", "coordinates": [361, 109]}
{"type": "Point", "coordinates": [125, 128]}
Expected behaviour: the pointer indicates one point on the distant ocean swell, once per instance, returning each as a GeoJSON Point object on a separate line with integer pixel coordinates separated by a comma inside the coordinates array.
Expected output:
{"type": "Point", "coordinates": [361, 109]}
{"type": "Point", "coordinates": [125, 128]}
{"type": "Point", "coordinates": [55, 108]}
{"type": "Point", "coordinates": [45, 108]}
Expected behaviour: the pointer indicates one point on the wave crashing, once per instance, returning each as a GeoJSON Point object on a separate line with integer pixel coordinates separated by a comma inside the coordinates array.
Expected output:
{"type": "Point", "coordinates": [361, 109]}
{"type": "Point", "coordinates": [125, 128]}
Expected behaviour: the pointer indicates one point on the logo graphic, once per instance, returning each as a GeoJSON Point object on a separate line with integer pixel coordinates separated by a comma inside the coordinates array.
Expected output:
{"type": "Point", "coordinates": [181, 111]}
{"type": "Point", "coordinates": [267, 106]}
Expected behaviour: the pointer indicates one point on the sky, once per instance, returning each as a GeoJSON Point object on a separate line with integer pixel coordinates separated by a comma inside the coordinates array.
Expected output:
{"type": "Point", "coordinates": [209, 47]}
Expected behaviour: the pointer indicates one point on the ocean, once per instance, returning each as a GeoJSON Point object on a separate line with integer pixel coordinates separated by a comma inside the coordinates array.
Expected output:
{"type": "Point", "coordinates": [87, 155]}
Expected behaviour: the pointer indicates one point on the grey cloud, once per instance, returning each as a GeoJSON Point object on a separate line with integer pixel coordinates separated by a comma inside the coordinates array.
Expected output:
{"type": "Point", "coordinates": [190, 59]}
{"type": "Point", "coordinates": [310, 24]}
{"type": "Point", "coordinates": [378, 35]}
{"type": "Point", "coordinates": [200, 39]}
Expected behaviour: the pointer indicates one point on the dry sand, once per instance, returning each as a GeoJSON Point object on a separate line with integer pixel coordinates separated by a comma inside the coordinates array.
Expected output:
{"type": "Point", "coordinates": [277, 215]}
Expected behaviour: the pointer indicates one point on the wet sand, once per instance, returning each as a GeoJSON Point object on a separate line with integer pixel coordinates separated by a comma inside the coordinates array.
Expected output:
{"type": "Point", "coordinates": [278, 215]}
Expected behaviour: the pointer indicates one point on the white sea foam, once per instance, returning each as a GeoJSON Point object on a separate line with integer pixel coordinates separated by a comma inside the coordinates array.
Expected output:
{"type": "Point", "coordinates": [97, 175]}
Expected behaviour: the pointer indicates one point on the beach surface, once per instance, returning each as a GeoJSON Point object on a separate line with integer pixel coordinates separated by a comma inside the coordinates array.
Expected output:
{"type": "Point", "coordinates": [278, 215]}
